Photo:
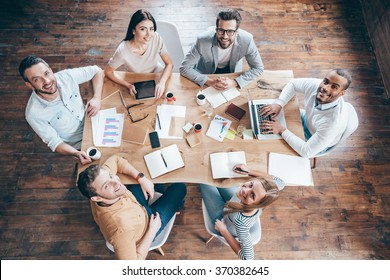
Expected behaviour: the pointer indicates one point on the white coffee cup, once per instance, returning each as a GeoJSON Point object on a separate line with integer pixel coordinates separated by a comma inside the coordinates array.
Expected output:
{"type": "Point", "coordinates": [200, 99]}
{"type": "Point", "coordinates": [93, 153]}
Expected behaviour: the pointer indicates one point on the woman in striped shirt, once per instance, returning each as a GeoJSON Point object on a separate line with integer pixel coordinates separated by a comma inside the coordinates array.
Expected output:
{"type": "Point", "coordinates": [236, 211]}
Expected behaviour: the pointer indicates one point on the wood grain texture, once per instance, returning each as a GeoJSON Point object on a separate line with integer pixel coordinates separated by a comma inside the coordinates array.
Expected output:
{"type": "Point", "coordinates": [344, 216]}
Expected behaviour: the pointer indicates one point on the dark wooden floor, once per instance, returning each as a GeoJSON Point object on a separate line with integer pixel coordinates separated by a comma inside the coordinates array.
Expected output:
{"type": "Point", "coordinates": [345, 216]}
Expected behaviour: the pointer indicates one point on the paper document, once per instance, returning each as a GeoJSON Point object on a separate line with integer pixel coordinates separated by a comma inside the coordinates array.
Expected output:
{"type": "Point", "coordinates": [217, 98]}
{"type": "Point", "coordinates": [170, 120]}
{"type": "Point", "coordinates": [107, 128]}
{"type": "Point", "coordinates": [293, 170]}
{"type": "Point", "coordinates": [218, 128]}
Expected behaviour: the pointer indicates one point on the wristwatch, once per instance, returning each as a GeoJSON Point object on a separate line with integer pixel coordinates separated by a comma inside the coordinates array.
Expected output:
{"type": "Point", "coordinates": [139, 176]}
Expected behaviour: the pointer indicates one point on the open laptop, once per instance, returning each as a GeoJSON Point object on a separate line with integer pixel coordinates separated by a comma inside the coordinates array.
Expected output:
{"type": "Point", "coordinates": [256, 119]}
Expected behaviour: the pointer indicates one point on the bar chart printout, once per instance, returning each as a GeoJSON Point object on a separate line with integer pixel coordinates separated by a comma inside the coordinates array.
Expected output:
{"type": "Point", "coordinates": [109, 126]}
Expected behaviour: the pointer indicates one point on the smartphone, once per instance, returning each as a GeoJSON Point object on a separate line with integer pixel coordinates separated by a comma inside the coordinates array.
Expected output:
{"type": "Point", "coordinates": [154, 140]}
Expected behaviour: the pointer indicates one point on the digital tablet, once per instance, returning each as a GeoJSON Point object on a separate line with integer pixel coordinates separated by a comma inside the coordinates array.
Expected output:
{"type": "Point", "coordinates": [145, 89]}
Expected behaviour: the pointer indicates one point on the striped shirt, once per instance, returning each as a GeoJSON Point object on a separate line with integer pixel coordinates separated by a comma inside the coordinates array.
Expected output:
{"type": "Point", "coordinates": [242, 225]}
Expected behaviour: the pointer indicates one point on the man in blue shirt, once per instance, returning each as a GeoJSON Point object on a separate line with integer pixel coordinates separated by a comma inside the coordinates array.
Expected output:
{"type": "Point", "coordinates": [55, 110]}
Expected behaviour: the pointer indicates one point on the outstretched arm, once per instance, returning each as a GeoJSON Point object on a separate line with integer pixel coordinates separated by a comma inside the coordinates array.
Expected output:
{"type": "Point", "coordinates": [66, 149]}
{"type": "Point", "coordinates": [93, 106]}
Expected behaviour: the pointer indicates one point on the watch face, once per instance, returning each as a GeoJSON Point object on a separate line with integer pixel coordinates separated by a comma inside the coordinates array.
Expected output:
{"type": "Point", "coordinates": [141, 175]}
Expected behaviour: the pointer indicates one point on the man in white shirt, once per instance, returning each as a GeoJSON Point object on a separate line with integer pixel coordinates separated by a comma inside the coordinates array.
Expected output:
{"type": "Point", "coordinates": [221, 51]}
{"type": "Point", "coordinates": [325, 117]}
{"type": "Point", "coordinates": [55, 110]}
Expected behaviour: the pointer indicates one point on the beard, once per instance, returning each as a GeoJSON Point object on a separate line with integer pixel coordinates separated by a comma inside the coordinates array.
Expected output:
{"type": "Point", "coordinates": [50, 91]}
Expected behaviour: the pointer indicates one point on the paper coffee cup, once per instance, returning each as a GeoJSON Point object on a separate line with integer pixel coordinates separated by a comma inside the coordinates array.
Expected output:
{"type": "Point", "coordinates": [200, 99]}
{"type": "Point", "coordinates": [170, 97]}
{"type": "Point", "coordinates": [94, 153]}
{"type": "Point", "coordinates": [197, 127]}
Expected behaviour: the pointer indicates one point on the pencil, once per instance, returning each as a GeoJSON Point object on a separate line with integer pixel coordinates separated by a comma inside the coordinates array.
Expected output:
{"type": "Point", "coordinates": [158, 120]}
{"type": "Point", "coordinates": [164, 160]}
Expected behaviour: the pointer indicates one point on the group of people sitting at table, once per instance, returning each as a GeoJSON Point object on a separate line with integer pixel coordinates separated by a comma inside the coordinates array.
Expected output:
{"type": "Point", "coordinates": [56, 112]}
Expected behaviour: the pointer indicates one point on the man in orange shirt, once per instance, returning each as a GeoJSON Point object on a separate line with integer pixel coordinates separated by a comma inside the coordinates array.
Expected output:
{"type": "Point", "coordinates": [122, 213]}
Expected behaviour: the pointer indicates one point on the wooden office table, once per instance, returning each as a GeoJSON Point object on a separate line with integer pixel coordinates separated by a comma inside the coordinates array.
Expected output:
{"type": "Point", "coordinates": [197, 160]}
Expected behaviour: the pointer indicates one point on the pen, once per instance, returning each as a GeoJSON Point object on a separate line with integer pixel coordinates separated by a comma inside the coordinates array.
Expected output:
{"type": "Point", "coordinates": [158, 120]}
{"type": "Point", "coordinates": [164, 160]}
{"type": "Point", "coordinates": [123, 100]}
{"type": "Point", "coordinates": [239, 169]}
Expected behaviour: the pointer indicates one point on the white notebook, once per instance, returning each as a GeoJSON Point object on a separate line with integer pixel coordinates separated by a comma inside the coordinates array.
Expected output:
{"type": "Point", "coordinates": [222, 164]}
{"type": "Point", "coordinates": [293, 170]}
{"type": "Point", "coordinates": [217, 98]}
{"type": "Point", "coordinates": [163, 161]}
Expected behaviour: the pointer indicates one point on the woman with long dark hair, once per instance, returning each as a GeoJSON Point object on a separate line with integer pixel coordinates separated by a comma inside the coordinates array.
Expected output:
{"type": "Point", "coordinates": [139, 52]}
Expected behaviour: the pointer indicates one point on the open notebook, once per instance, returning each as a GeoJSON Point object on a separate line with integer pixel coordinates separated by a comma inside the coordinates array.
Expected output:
{"type": "Point", "coordinates": [217, 98]}
{"type": "Point", "coordinates": [222, 164]}
{"type": "Point", "coordinates": [163, 161]}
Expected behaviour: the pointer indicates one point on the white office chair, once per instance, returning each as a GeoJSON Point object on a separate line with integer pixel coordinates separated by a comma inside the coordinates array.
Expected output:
{"type": "Point", "coordinates": [352, 125]}
{"type": "Point", "coordinates": [255, 230]}
{"type": "Point", "coordinates": [170, 35]}
{"type": "Point", "coordinates": [160, 239]}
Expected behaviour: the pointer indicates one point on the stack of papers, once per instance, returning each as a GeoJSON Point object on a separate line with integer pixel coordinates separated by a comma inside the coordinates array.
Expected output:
{"type": "Point", "coordinates": [293, 170]}
{"type": "Point", "coordinates": [170, 120]}
{"type": "Point", "coordinates": [216, 98]}
{"type": "Point", "coordinates": [218, 128]}
{"type": "Point", "coordinates": [107, 128]}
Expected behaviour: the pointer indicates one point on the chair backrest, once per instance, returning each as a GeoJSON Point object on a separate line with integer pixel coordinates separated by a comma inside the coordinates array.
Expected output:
{"type": "Point", "coordinates": [353, 121]}
{"type": "Point", "coordinates": [170, 35]}
{"type": "Point", "coordinates": [255, 230]}
{"type": "Point", "coordinates": [160, 239]}
{"type": "Point", "coordinates": [352, 125]}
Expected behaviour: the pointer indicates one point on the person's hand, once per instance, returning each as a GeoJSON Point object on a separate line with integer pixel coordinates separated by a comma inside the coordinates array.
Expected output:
{"type": "Point", "coordinates": [131, 89]}
{"type": "Point", "coordinates": [93, 107]}
{"type": "Point", "coordinates": [211, 82]}
{"type": "Point", "coordinates": [273, 127]}
{"type": "Point", "coordinates": [225, 83]}
{"type": "Point", "coordinates": [220, 226]}
{"type": "Point", "coordinates": [147, 187]}
{"type": "Point", "coordinates": [271, 109]}
{"type": "Point", "coordinates": [160, 88]}
{"type": "Point", "coordinates": [241, 169]}
{"type": "Point", "coordinates": [83, 157]}
{"type": "Point", "coordinates": [154, 222]}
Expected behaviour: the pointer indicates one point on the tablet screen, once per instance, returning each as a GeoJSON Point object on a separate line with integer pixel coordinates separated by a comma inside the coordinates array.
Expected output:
{"type": "Point", "coordinates": [145, 89]}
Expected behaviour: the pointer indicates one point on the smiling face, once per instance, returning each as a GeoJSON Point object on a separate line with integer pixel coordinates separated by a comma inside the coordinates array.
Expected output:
{"type": "Point", "coordinates": [331, 88]}
{"type": "Point", "coordinates": [144, 32]}
{"type": "Point", "coordinates": [108, 187]}
{"type": "Point", "coordinates": [41, 79]}
{"type": "Point", "coordinates": [224, 40]}
{"type": "Point", "coordinates": [251, 192]}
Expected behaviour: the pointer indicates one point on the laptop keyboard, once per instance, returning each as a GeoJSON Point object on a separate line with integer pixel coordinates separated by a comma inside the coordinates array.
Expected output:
{"type": "Point", "coordinates": [261, 119]}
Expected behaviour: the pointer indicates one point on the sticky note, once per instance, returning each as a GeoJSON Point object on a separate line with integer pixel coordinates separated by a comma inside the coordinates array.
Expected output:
{"type": "Point", "coordinates": [247, 134]}
{"type": "Point", "coordinates": [231, 134]}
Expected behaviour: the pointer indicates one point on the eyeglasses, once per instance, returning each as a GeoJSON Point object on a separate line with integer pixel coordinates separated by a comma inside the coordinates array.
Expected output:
{"type": "Point", "coordinates": [129, 113]}
{"type": "Point", "coordinates": [229, 32]}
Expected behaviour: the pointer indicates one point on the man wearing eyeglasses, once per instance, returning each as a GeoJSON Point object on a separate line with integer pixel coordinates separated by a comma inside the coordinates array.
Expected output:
{"type": "Point", "coordinates": [221, 51]}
